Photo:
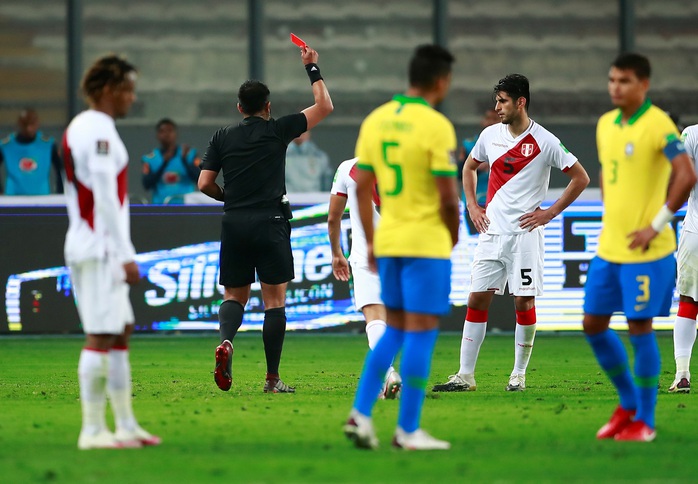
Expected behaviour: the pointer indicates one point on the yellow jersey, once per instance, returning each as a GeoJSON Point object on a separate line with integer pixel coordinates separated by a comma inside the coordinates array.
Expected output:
{"type": "Point", "coordinates": [635, 175]}
{"type": "Point", "coordinates": [406, 143]}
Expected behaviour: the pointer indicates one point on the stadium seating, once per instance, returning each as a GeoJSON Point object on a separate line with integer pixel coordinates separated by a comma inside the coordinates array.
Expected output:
{"type": "Point", "coordinates": [193, 55]}
{"type": "Point", "coordinates": [30, 74]}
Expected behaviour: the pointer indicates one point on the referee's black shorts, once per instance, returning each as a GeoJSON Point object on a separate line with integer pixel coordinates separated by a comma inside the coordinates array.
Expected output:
{"type": "Point", "coordinates": [255, 239]}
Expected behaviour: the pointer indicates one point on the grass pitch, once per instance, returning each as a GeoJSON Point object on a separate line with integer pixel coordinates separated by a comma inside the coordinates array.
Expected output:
{"type": "Point", "coordinates": [545, 434]}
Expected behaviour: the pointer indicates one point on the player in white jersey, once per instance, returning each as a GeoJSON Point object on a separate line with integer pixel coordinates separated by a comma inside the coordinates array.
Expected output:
{"type": "Point", "coordinates": [510, 247]}
{"type": "Point", "coordinates": [687, 260]}
{"type": "Point", "coordinates": [100, 255]}
{"type": "Point", "coordinates": [367, 288]}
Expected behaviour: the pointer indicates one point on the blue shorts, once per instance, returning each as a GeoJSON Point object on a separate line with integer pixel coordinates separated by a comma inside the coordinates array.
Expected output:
{"type": "Point", "coordinates": [641, 290]}
{"type": "Point", "coordinates": [415, 285]}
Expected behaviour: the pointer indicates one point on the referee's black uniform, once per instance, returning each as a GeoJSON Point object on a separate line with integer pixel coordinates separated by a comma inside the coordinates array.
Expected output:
{"type": "Point", "coordinates": [255, 233]}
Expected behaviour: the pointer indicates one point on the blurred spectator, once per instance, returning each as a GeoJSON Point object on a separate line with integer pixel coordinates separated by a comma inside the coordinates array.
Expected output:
{"type": "Point", "coordinates": [28, 156]}
{"type": "Point", "coordinates": [489, 118]}
{"type": "Point", "coordinates": [307, 166]}
{"type": "Point", "coordinates": [172, 170]}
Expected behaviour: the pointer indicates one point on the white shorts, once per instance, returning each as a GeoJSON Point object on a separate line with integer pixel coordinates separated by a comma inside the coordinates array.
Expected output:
{"type": "Point", "coordinates": [687, 261]}
{"type": "Point", "coordinates": [516, 259]}
{"type": "Point", "coordinates": [101, 295]}
{"type": "Point", "coordinates": [367, 286]}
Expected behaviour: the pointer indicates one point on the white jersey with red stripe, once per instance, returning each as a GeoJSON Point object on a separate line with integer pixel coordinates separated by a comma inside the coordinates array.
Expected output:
{"type": "Point", "coordinates": [96, 163]}
{"type": "Point", "coordinates": [519, 172]}
{"type": "Point", "coordinates": [344, 185]}
{"type": "Point", "coordinates": [690, 140]}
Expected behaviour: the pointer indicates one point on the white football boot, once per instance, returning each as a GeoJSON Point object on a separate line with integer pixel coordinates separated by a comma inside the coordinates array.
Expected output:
{"type": "Point", "coordinates": [104, 440]}
{"type": "Point", "coordinates": [682, 383]}
{"type": "Point", "coordinates": [137, 435]}
{"type": "Point", "coordinates": [391, 387]}
{"type": "Point", "coordinates": [517, 383]}
{"type": "Point", "coordinates": [359, 429]}
{"type": "Point", "coordinates": [418, 440]}
{"type": "Point", "coordinates": [457, 383]}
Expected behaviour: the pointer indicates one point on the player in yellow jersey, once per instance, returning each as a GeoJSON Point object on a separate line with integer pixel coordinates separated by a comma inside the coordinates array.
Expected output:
{"type": "Point", "coordinates": [634, 270]}
{"type": "Point", "coordinates": [409, 148]}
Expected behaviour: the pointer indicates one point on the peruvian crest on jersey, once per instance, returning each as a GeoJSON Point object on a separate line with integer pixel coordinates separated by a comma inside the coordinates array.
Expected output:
{"type": "Point", "coordinates": [519, 172]}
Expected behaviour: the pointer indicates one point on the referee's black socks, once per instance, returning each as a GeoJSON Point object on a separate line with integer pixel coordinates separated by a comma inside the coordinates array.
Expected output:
{"type": "Point", "coordinates": [273, 334]}
{"type": "Point", "coordinates": [230, 317]}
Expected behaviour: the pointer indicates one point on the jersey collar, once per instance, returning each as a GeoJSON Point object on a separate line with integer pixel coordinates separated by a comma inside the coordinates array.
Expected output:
{"type": "Point", "coordinates": [252, 119]}
{"type": "Point", "coordinates": [643, 109]}
{"type": "Point", "coordinates": [403, 99]}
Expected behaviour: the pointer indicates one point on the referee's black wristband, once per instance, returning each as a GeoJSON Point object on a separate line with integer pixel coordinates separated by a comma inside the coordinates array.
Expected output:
{"type": "Point", "coordinates": [313, 73]}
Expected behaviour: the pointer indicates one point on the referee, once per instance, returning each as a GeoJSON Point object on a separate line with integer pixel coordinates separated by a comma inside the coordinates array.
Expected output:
{"type": "Point", "coordinates": [256, 233]}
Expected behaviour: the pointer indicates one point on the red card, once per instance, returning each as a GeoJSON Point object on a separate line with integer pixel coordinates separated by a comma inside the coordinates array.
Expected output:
{"type": "Point", "coordinates": [298, 41]}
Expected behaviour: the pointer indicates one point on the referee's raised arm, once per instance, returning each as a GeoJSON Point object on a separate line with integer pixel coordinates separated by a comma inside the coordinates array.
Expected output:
{"type": "Point", "coordinates": [323, 103]}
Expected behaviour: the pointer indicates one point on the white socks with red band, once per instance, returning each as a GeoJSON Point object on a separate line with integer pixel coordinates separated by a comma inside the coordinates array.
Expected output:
{"type": "Point", "coordinates": [684, 336]}
{"type": "Point", "coordinates": [474, 331]}
{"type": "Point", "coordinates": [523, 339]}
{"type": "Point", "coordinates": [92, 375]}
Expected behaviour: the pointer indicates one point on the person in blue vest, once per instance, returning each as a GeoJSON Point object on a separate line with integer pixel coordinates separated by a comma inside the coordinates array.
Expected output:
{"type": "Point", "coordinates": [172, 170]}
{"type": "Point", "coordinates": [28, 156]}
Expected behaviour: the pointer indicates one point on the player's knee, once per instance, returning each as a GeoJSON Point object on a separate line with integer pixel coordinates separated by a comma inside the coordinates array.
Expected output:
{"type": "Point", "coordinates": [524, 303]}
{"type": "Point", "coordinates": [480, 301]}
{"type": "Point", "coordinates": [594, 324]}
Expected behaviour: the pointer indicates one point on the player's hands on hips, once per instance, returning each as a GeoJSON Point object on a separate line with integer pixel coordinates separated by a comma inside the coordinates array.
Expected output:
{"type": "Point", "coordinates": [479, 217]}
{"type": "Point", "coordinates": [642, 238]}
{"type": "Point", "coordinates": [132, 274]}
{"type": "Point", "coordinates": [535, 219]}
{"type": "Point", "coordinates": [309, 55]}
{"type": "Point", "coordinates": [340, 268]}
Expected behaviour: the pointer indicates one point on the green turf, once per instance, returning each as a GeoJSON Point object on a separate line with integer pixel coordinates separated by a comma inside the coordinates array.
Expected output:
{"type": "Point", "coordinates": [545, 434]}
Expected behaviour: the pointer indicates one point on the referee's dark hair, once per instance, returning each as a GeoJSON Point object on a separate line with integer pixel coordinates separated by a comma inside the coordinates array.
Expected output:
{"type": "Point", "coordinates": [637, 63]}
{"type": "Point", "coordinates": [516, 86]}
{"type": "Point", "coordinates": [252, 96]}
{"type": "Point", "coordinates": [110, 70]}
{"type": "Point", "coordinates": [428, 64]}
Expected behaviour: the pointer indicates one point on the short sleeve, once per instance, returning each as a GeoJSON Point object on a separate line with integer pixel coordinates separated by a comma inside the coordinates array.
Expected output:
{"type": "Point", "coordinates": [442, 147]}
{"type": "Point", "coordinates": [292, 126]}
{"type": "Point", "coordinates": [690, 141]}
{"type": "Point", "coordinates": [560, 157]}
{"type": "Point", "coordinates": [363, 152]}
{"type": "Point", "coordinates": [670, 141]}
{"type": "Point", "coordinates": [478, 151]}
{"type": "Point", "coordinates": [211, 160]}
{"type": "Point", "coordinates": [339, 183]}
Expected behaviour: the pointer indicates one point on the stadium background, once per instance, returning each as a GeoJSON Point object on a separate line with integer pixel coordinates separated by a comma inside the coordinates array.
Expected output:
{"type": "Point", "coordinates": [192, 56]}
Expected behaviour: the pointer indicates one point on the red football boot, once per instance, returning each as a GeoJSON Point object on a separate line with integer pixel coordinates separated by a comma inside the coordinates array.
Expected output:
{"type": "Point", "coordinates": [223, 374]}
{"type": "Point", "coordinates": [620, 419]}
{"type": "Point", "coordinates": [638, 431]}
